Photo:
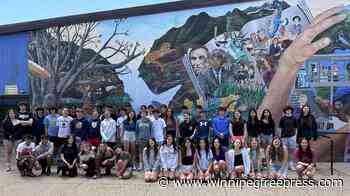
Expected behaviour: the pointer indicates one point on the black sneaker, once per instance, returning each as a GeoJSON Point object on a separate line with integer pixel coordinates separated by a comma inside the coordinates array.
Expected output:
{"type": "Point", "coordinates": [48, 171]}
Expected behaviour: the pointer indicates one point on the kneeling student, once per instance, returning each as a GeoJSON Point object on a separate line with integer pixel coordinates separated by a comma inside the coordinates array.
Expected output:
{"type": "Point", "coordinates": [104, 159]}
{"type": "Point", "coordinates": [124, 164]}
{"type": "Point", "coordinates": [187, 160]}
{"type": "Point", "coordinates": [305, 159]}
{"type": "Point", "coordinates": [43, 153]}
{"type": "Point", "coordinates": [87, 160]}
{"type": "Point", "coordinates": [151, 160]}
{"type": "Point", "coordinates": [26, 162]}
{"type": "Point", "coordinates": [238, 160]}
{"type": "Point", "coordinates": [169, 157]}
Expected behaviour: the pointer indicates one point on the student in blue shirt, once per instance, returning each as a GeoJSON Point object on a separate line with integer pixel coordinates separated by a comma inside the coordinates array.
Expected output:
{"type": "Point", "coordinates": [51, 128]}
{"type": "Point", "coordinates": [221, 125]}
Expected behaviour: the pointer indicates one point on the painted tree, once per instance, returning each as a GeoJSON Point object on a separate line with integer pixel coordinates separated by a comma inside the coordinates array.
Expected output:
{"type": "Point", "coordinates": [77, 60]}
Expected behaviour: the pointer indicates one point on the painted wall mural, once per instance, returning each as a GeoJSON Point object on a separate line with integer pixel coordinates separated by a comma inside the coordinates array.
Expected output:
{"type": "Point", "coordinates": [217, 56]}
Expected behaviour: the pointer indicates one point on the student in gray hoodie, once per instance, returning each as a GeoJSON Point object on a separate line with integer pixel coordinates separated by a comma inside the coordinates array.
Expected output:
{"type": "Point", "coordinates": [151, 160]}
{"type": "Point", "coordinates": [143, 134]}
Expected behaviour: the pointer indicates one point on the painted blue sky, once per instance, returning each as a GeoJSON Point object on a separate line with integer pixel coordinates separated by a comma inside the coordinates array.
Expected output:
{"type": "Point", "coordinates": [38, 9]}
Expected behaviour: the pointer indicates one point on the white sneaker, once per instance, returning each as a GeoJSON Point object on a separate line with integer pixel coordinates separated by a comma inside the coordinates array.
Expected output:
{"type": "Point", "coordinates": [291, 166]}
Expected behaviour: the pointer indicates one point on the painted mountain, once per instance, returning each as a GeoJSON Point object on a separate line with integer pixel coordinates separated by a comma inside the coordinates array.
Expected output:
{"type": "Point", "coordinates": [162, 67]}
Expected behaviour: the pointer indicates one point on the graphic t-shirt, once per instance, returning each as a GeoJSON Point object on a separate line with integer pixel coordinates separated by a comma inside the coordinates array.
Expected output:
{"type": "Point", "coordinates": [25, 116]}
{"type": "Point", "coordinates": [63, 124]}
{"type": "Point", "coordinates": [25, 149]}
{"type": "Point", "coordinates": [51, 122]}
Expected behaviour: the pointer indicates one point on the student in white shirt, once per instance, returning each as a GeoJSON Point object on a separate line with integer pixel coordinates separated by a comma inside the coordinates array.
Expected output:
{"type": "Point", "coordinates": [26, 162]}
{"type": "Point", "coordinates": [63, 123]}
{"type": "Point", "coordinates": [108, 130]}
{"type": "Point", "coordinates": [120, 121]}
{"type": "Point", "coordinates": [158, 127]}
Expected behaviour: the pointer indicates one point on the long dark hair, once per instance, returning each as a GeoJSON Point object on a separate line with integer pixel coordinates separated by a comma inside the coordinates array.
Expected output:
{"type": "Point", "coordinates": [213, 147]}
{"type": "Point", "coordinates": [250, 119]}
{"type": "Point", "coordinates": [271, 121]}
{"type": "Point", "coordinates": [74, 145]}
{"type": "Point", "coordinates": [7, 117]}
{"type": "Point", "coordinates": [173, 143]}
{"type": "Point", "coordinates": [234, 119]}
{"type": "Point", "coordinates": [309, 118]}
{"type": "Point", "coordinates": [148, 147]}
{"type": "Point", "coordinates": [172, 117]}
{"type": "Point", "coordinates": [308, 153]}
{"type": "Point", "coordinates": [276, 153]}
{"type": "Point", "coordinates": [183, 147]}
{"type": "Point", "coordinates": [206, 146]}
{"type": "Point", "coordinates": [133, 118]}
{"type": "Point", "coordinates": [257, 148]}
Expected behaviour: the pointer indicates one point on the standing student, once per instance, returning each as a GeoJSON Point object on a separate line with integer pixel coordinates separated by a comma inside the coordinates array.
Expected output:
{"type": "Point", "coordinates": [172, 125]}
{"type": "Point", "coordinates": [63, 123]}
{"type": "Point", "coordinates": [180, 117]}
{"type": "Point", "coordinates": [151, 160]}
{"type": "Point", "coordinates": [186, 129]}
{"type": "Point", "coordinates": [158, 127]}
{"type": "Point", "coordinates": [108, 130]}
{"type": "Point", "coordinates": [238, 128]}
{"type": "Point", "coordinates": [93, 131]}
{"type": "Point", "coordinates": [128, 132]}
{"type": "Point", "coordinates": [143, 108]}
{"type": "Point", "coordinates": [163, 110]}
{"type": "Point", "coordinates": [43, 154]}
{"type": "Point", "coordinates": [197, 113]}
{"type": "Point", "coordinates": [169, 157]}
{"type": "Point", "coordinates": [120, 120]}
{"type": "Point", "coordinates": [203, 127]}
{"type": "Point", "coordinates": [12, 136]}
{"type": "Point", "coordinates": [87, 160]}
{"type": "Point", "coordinates": [204, 159]}
{"type": "Point", "coordinates": [221, 126]}
{"type": "Point", "coordinates": [38, 125]}
{"type": "Point", "coordinates": [69, 154]}
{"type": "Point", "coordinates": [307, 126]}
{"type": "Point", "coordinates": [258, 164]}
{"type": "Point", "coordinates": [124, 164]}
{"type": "Point", "coordinates": [104, 159]}
{"type": "Point", "coordinates": [150, 114]}
{"type": "Point", "coordinates": [305, 158]}
{"type": "Point", "coordinates": [26, 162]}
{"type": "Point", "coordinates": [79, 126]}
{"type": "Point", "coordinates": [219, 166]}
{"type": "Point", "coordinates": [51, 129]}
{"type": "Point", "coordinates": [277, 159]}
{"type": "Point", "coordinates": [288, 126]}
{"type": "Point", "coordinates": [267, 128]}
{"type": "Point", "coordinates": [187, 157]}
{"type": "Point", "coordinates": [238, 160]}
{"type": "Point", "coordinates": [143, 134]}
{"type": "Point", "coordinates": [253, 125]}
{"type": "Point", "coordinates": [25, 119]}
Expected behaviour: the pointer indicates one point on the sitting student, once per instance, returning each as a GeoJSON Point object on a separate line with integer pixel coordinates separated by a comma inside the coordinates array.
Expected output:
{"type": "Point", "coordinates": [305, 159]}
{"type": "Point", "coordinates": [257, 160]}
{"type": "Point", "coordinates": [204, 159]}
{"type": "Point", "coordinates": [104, 159]}
{"type": "Point", "coordinates": [277, 159]}
{"type": "Point", "coordinates": [187, 154]}
{"type": "Point", "coordinates": [87, 160]}
{"type": "Point", "coordinates": [238, 161]}
{"type": "Point", "coordinates": [124, 163]}
{"type": "Point", "coordinates": [151, 160]}
{"type": "Point", "coordinates": [43, 153]}
{"type": "Point", "coordinates": [69, 158]}
{"type": "Point", "coordinates": [26, 162]}
{"type": "Point", "coordinates": [219, 166]}
{"type": "Point", "coordinates": [168, 157]}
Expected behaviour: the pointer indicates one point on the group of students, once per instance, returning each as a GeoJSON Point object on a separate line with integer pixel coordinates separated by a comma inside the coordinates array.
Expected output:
{"type": "Point", "coordinates": [187, 146]}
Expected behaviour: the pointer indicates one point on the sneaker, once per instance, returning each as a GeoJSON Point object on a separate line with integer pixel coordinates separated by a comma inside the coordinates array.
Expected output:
{"type": "Point", "coordinates": [134, 168]}
{"type": "Point", "coordinates": [94, 177]}
{"type": "Point", "coordinates": [291, 166]}
{"type": "Point", "coordinates": [48, 171]}
{"type": "Point", "coordinates": [8, 169]}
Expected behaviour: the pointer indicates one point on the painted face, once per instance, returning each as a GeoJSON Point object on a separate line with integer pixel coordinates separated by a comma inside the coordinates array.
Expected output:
{"type": "Point", "coordinates": [199, 58]}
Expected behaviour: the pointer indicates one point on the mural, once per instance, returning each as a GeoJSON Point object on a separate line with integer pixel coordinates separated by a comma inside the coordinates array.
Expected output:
{"type": "Point", "coordinates": [218, 56]}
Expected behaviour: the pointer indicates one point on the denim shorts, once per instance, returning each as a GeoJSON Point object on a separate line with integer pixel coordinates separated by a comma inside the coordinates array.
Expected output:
{"type": "Point", "coordinates": [290, 142]}
{"type": "Point", "coordinates": [129, 136]}
{"type": "Point", "coordinates": [275, 167]}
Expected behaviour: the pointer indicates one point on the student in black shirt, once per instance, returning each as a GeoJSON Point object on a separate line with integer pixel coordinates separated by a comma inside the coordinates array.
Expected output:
{"type": "Point", "coordinates": [79, 126]}
{"type": "Point", "coordinates": [238, 129]}
{"type": "Point", "coordinates": [172, 125]}
{"type": "Point", "coordinates": [69, 153]}
{"type": "Point", "coordinates": [187, 128]}
{"type": "Point", "coordinates": [12, 136]}
{"type": "Point", "coordinates": [93, 131]}
{"type": "Point", "coordinates": [307, 126]}
{"type": "Point", "coordinates": [25, 119]}
{"type": "Point", "coordinates": [38, 125]}
{"type": "Point", "coordinates": [267, 128]}
{"type": "Point", "coordinates": [288, 127]}
{"type": "Point", "coordinates": [253, 124]}
{"type": "Point", "coordinates": [203, 126]}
